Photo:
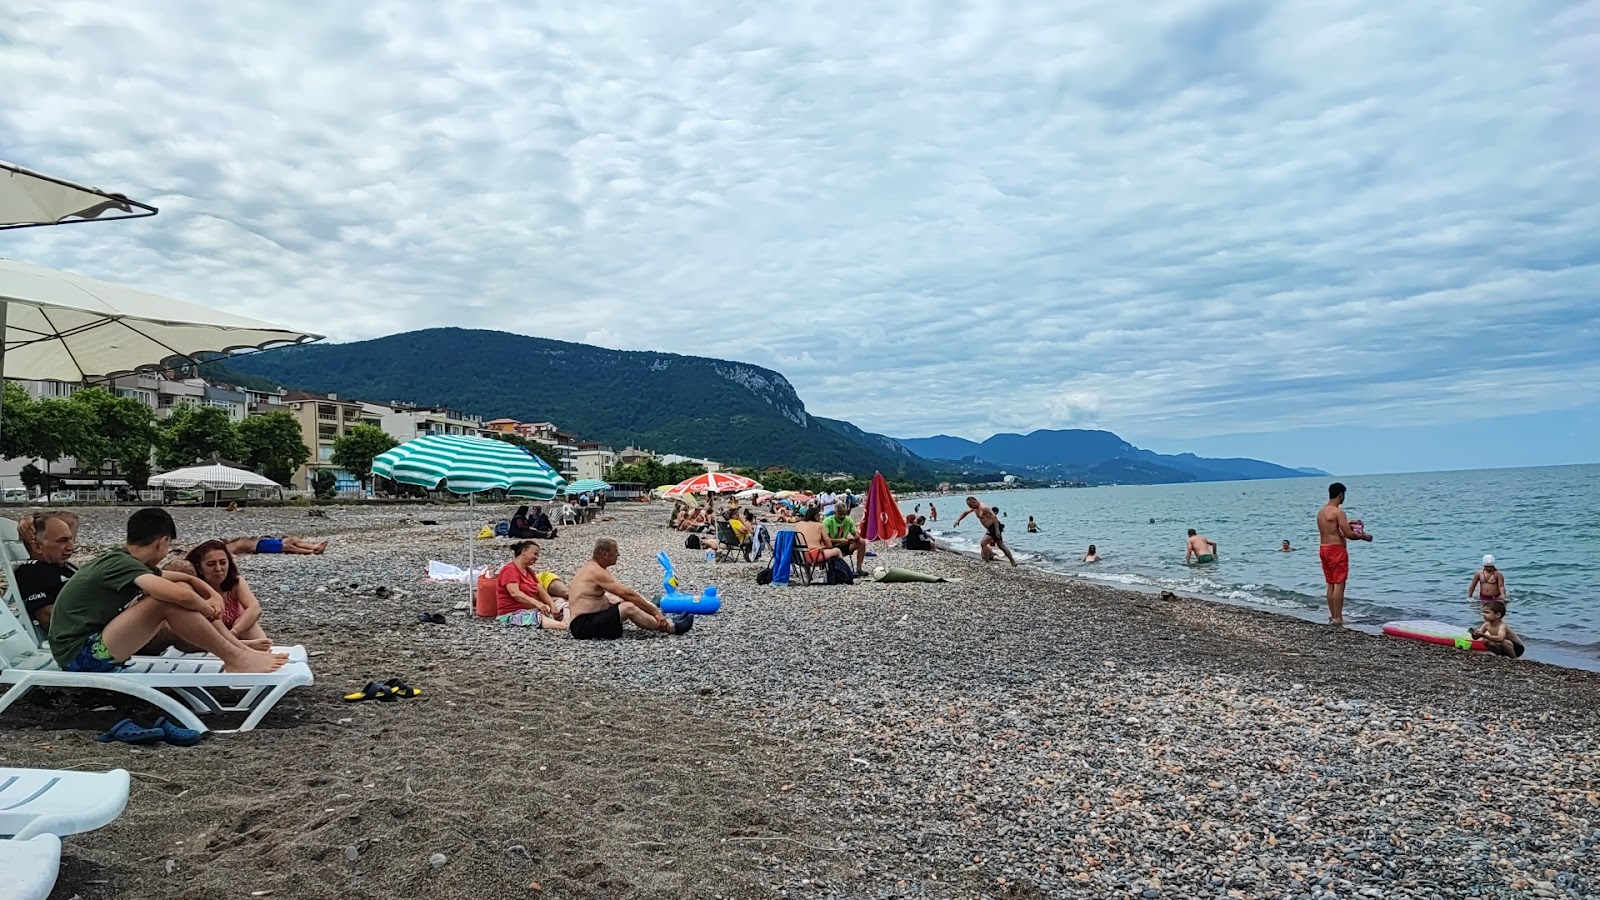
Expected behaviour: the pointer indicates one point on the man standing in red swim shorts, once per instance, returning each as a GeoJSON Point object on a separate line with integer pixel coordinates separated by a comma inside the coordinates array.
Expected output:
{"type": "Point", "coordinates": [1334, 528]}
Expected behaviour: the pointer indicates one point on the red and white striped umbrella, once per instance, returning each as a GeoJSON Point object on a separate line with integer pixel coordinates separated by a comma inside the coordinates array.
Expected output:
{"type": "Point", "coordinates": [711, 483]}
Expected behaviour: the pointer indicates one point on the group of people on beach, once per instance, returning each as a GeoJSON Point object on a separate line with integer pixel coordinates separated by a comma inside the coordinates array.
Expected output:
{"type": "Point", "coordinates": [592, 606]}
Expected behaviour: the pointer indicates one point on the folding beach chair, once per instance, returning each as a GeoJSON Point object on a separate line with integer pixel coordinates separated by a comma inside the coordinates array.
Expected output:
{"type": "Point", "coordinates": [799, 560]}
{"type": "Point", "coordinates": [728, 543]}
{"type": "Point", "coordinates": [26, 663]}
{"type": "Point", "coordinates": [38, 807]}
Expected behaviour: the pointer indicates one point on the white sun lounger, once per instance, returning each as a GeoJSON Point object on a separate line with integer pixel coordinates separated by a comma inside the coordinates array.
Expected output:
{"type": "Point", "coordinates": [26, 663]}
{"type": "Point", "coordinates": [38, 807]}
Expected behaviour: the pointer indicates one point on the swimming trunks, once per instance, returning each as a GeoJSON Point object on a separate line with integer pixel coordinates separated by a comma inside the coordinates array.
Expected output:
{"type": "Point", "coordinates": [605, 625]}
{"type": "Point", "coordinates": [994, 532]}
{"type": "Point", "coordinates": [1335, 563]}
{"type": "Point", "coordinates": [1204, 558]}
{"type": "Point", "coordinates": [269, 545]}
{"type": "Point", "coordinates": [94, 657]}
{"type": "Point", "coordinates": [816, 556]}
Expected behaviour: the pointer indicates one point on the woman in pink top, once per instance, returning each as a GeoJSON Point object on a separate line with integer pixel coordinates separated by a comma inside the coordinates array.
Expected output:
{"type": "Point", "coordinates": [241, 611]}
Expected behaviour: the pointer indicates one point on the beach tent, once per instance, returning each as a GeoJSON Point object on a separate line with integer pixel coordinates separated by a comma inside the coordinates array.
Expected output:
{"type": "Point", "coordinates": [29, 199]}
{"type": "Point", "coordinates": [60, 326]}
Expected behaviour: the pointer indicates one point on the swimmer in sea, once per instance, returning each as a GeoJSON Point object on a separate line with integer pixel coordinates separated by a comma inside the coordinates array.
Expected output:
{"type": "Point", "coordinates": [1488, 582]}
{"type": "Point", "coordinates": [1091, 556]}
{"type": "Point", "coordinates": [1200, 548]}
{"type": "Point", "coordinates": [1286, 548]}
{"type": "Point", "coordinates": [993, 530]}
{"type": "Point", "coordinates": [1033, 527]}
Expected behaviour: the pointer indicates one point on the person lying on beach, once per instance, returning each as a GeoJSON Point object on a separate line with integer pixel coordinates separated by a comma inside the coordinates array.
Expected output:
{"type": "Point", "coordinates": [242, 546]}
{"type": "Point", "coordinates": [1496, 635]}
{"type": "Point", "coordinates": [523, 594]}
{"type": "Point", "coordinates": [600, 603]}
{"type": "Point", "coordinates": [1488, 582]}
{"type": "Point", "coordinates": [1092, 555]}
{"type": "Point", "coordinates": [51, 537]}
{"type": "Point", "coordinates": [119, 601]}
{"type": "Point", "coordinates": [842, 533]}
{"type": "Point", "coordinates": [819, 547]}
{"type": "Point", "coordinates": [1200, 548]}
{"type": "Point", "coordinates": [993, 530]}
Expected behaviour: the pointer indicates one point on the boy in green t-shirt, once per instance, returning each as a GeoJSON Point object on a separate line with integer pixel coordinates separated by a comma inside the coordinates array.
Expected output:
{"type": "Point", "coordinates": [842, 531]}
{"type": "Point", "coordinates": [119, 601]}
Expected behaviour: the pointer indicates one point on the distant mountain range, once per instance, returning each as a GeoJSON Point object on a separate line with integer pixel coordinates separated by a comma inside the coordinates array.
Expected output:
{"type": "Point", "coordinates": [694, 406]}
{"type": "Point", "coordinates": [1094, 457]}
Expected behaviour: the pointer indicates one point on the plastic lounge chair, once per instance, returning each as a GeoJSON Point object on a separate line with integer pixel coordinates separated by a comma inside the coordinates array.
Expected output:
{"type": "Point", "coordinates": [31, 866]}
{"type": "Point", "coordinates": [47, 801]}
{"type": "Point", "coordinates": [26, 663]}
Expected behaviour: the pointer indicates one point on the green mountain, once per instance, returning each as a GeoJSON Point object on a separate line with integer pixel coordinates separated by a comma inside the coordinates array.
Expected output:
{"type": "Point", "coordinates": [729, 411]}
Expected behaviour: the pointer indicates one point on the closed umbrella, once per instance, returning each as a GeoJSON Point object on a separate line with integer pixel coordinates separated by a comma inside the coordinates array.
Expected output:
{"type": "Point", "coordinates": [883, 521]}
{"type": "Point", "coordinates": [29, 199]}
{"type": "Point", "coordinates": [462, 464]}
{"type": "Point", "coordinates": [711, 483]}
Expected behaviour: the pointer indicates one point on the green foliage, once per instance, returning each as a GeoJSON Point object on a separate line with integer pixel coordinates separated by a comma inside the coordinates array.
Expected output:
{"type": "Point", "coordinates": [543, 451]}
{"type": "Point", "coordinates": [325, 484]}
{"type": "Point", "coordinates": [194, 433]}
{"type": "Point", "coordinates": [733, 412]}
{"type": "Point", "coordinates": [652, 473]}
{"type": "Point", "coordinates": [32, 476]}
{"type": "Point", "coordinates": [272, 445]}
{"type": "Point", "coordinates": [355, 450]}
{"type": "Point", "coordinates": [17, 413]}
{"type": "Point", "coordinates": [122, 429]}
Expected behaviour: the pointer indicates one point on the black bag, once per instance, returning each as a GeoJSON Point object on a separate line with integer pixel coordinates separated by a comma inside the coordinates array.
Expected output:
{"type": "Point", "coordinates": [692, 542]}
{"type": "Point", "coordinates": [839, 571]}
{"type": "Point", "coordinates": [764, 576]}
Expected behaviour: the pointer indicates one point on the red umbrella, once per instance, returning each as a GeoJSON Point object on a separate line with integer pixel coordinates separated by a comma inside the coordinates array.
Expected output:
{"type": "Point", "coordinates": [711, 483]}
{"type": "Point", "coordinates": [884, 521]}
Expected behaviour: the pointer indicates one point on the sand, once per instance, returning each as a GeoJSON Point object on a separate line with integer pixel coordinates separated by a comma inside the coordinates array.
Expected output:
{"type": "Point", "coordinates": [1008, 734]}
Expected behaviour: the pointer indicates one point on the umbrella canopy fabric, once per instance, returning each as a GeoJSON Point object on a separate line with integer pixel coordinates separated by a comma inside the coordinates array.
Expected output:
{"type": "Point", "coordinates": [752, 493]}
{"type": "Point", "coordinates": [711, 483]}
{"type": "Point", "coordinates": [883, 521]}
{"type": "Point", "coordinates": [462, 464]}
{"type": "Point", "coordinates": [28, 199]}
{"type": "Point", "coordinates": [216, 477]}
{"type": "Point", "coordinates": [587, 484]}
{"type": "Point", "coordinates": [62, 326]}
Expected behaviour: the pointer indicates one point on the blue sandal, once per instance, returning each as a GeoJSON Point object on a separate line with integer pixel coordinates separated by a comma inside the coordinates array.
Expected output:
{"type": "Point", "coordinates": [177, 734]}
{"type": "Point", "coordinates": [128, 732]}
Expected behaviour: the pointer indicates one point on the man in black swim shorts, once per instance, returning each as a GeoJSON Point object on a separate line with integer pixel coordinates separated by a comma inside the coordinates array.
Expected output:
{"type": "Point", "coordinates": [598, 602]}
{"type": "Point", "coordinates": [992, 528]}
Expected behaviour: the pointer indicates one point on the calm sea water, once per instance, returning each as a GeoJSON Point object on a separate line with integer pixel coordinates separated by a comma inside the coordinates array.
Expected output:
{"type": "Point", "coordinates": [1431, 531]}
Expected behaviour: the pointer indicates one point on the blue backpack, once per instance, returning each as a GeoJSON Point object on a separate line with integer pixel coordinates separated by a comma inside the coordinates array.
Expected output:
{"type": "Point", "coordinates": [502, 528]}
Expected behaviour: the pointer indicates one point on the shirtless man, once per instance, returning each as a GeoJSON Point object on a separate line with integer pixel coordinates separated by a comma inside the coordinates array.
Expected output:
{"type": "Point", "coordinates": [1488, 582]}
{"type": "Point", "coordinates": [598, 602]}
{"type": "Point", "coordinates": [993, 530]}
{"type": "Point", "coordinates": [1333, 529]}
{"type": "Point", "coordinates": [819, 547]}
{"type": "Point", "coordinates": [1201, 549]}
{"type": "Point", "coordinates": [241, 546]}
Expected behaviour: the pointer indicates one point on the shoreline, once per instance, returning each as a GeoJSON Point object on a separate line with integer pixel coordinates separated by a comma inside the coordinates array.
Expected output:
{"type": "Point", "coordinates": [1012, 733]}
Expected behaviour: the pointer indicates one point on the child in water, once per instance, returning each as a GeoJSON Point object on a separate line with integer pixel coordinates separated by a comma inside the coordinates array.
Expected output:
{"type": "Point", "coordinates": [1495, 633]}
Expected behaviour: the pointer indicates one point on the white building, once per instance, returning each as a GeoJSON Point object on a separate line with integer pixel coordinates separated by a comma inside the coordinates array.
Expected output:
{"type": "Point", "coordinates": [709, 465]}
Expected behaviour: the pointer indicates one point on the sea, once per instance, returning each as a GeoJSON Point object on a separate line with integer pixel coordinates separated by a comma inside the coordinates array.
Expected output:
{"type": "Point", "coordinates": [1431, 531]}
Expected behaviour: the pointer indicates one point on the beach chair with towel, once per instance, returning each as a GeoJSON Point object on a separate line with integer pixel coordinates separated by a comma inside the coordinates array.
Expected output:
{"type": "Point", "coordinates": [38, 807]}
{"type": "Point", "coordinates": [26, 663]}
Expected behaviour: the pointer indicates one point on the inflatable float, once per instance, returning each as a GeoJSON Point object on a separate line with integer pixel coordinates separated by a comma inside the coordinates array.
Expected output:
{"type": "Point", "coordinates": [674, 602]}
{"type": "Point", "coordinates": [1433, 632]}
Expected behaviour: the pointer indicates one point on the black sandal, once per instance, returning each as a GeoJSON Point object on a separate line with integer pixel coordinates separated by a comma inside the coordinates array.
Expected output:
{"type": "Point", "coordinates": [401, 689]}
{"type": "Point", "coordinates": [373, 691]}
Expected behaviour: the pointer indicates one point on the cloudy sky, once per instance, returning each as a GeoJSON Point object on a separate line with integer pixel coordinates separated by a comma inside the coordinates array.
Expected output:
{"type": "Point", "coordinates": [1358, 235]}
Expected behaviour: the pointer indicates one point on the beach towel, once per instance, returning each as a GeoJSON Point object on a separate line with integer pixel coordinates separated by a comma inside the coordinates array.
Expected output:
{"type": "Point", "coordinates": [763, 541]}
{"type": "Point", "coordinates": [782, 556]}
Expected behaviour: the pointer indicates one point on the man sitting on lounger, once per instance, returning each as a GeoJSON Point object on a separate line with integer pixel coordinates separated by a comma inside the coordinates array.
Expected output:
{"type": "Point", "coordinates": [599, 602]}
{"type": "Point", "coordinates": [242, 546]}
{"type": "Point", "coordinates": [51, 537]}
{"type": "Point", "coordinates": [118, 601]}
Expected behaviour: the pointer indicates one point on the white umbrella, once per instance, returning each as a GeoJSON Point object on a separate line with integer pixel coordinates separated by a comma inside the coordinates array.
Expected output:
{"type": "Point", "coordinates": [28, 199]}
{"type": "Point", "coordinates": [215, 477]}
{"type": "Point", "coordinates": [65, 327]}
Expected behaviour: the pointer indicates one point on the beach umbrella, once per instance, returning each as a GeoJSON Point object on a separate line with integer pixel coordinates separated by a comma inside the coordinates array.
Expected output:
{"type": "Point", "coordinates": [711, 483]}
{"type": "Point", "coordinates": [463, 464]}
{"type": "Point", "coordinates": [752, 493]}
{"type": "Point", "coordinates": [883, 521]}
{"type": "Point", "coordinates": [214, 477]}
{"type": "Point", "coordinates": [29, 199]}
{"type": "Point", "coordinates": [60, 326]}
{"type": "Point", "coordinates": [591, 485]}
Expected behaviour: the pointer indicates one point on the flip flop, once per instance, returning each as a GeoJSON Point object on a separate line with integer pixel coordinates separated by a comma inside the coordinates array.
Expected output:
{"type": "Point", "coordinates": [401, 689]}
{"type": "Point", "coordinates": [431, 618]}
{"type": "Point", "coordinates": [129, 732]}
{"type": "Point", "coordinates": [177, 734]}
{"type": "Point", "coordinates": [373, 691]}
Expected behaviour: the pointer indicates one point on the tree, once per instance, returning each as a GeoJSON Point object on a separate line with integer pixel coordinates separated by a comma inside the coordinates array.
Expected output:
{"type": "Point", "coordinates": [32, 477]}
{"type": "Point", "coordinates": [324, 484]}
{"type": "Point", "coordinates": [543, 451]}
{"type": "Point", "coordinates": [355, 451]}
{"type": "Point", "coordinates": [272, 444]}
{"type": "Point", "coordinates": [194, 433]}
{"type": "Point", "coordinates": [61, 428]}
{"type": "Point", "coordinates": [16, 422]}
{"type": "Point", "coordinates": [122, 430]}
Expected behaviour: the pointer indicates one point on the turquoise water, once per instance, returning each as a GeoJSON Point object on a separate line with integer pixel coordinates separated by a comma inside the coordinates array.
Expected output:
{"type": "Point", "coordinates": [1431, 531]}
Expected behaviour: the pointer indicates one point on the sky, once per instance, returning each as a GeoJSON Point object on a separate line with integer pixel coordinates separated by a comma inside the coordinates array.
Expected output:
{"type": "Point", "coordinates": [1353, 235]}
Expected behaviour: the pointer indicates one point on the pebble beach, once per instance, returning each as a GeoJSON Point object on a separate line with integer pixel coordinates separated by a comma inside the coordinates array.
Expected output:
{"type": "Point", "coordinates": [1008, 733]}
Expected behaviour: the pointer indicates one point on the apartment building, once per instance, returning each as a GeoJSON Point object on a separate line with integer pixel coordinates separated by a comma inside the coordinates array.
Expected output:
{"type": "Point", "coordinates": [323, 419]}
{"type": "Point", "coordinates": [407, 421]}
{"type": "Point", "coordinates": [591, 460]}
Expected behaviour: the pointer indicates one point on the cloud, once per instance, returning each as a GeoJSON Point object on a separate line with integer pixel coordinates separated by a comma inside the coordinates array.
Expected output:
{"type": "Point", "coordinates": [1189, 219]}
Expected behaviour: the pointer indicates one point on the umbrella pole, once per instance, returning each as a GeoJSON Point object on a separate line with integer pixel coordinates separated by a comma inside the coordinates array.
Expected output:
{"type": "Point", "coordinates": [472, 547]}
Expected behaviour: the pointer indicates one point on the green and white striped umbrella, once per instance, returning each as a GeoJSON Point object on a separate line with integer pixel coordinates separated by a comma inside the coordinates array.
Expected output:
{"type": "Point", "coordinates": [587, 484]}
{"type": "Point", "coordinates": [462, 464]}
